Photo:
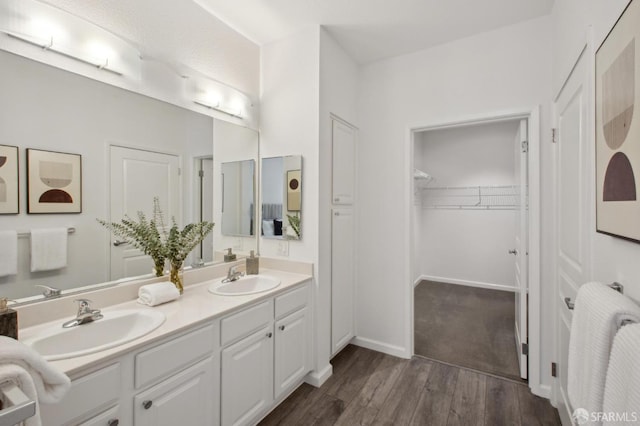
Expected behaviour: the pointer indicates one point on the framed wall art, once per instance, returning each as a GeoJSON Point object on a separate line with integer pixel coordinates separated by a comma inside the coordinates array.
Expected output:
{"type": "Point", "coordinates": [618, 128]}
{"type": "Point", "coordinates": [294, 192]}
{"type": "Point", "coordinates": [54, 182]}
{"type": "Point", "coordinates": [9, 180]}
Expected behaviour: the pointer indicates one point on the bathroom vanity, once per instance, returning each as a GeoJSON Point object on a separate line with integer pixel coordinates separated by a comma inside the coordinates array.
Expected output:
{"type": "Point", "coordinates": [224, 360]}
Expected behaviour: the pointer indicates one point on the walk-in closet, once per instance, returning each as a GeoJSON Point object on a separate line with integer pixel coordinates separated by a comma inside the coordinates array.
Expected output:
{"type": "Point", "coordinates": [469, 246]}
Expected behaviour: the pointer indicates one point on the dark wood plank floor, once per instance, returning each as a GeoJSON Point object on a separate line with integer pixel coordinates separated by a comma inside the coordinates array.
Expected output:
{"type": "Point", "coordinates": [370, 388]}
{"type": "Point", "coordinates": [466, 326]}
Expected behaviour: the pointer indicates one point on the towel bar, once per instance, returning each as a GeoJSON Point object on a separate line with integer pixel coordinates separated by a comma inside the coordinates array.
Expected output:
{"type": "Point", "coordinates": [614, 285]}
{"type": "Point", "coordinates": [25, 234]}
{"type": "Point", "coordinates": [19, 406]}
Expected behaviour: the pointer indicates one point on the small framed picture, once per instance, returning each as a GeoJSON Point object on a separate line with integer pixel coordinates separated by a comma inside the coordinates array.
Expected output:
{"type": "Point", "coordinates": [54, 182]}
{"type": "Point", "coordinates": [9, 180]}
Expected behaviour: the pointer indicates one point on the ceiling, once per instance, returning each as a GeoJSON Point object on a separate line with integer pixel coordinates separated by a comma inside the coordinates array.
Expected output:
{"type": "Point", "coordinates": [370, 30]}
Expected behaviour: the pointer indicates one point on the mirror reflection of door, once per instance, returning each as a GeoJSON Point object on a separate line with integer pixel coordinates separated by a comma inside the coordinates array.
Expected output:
{"type": "Point", "coordinates": [204, 195]}
{"type": "Point", "coordinates": [137, 176]}
{"type": "Point", "coordinates": [238, 198]}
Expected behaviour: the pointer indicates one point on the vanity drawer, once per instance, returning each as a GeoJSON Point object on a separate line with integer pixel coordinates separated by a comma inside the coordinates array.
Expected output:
{"type": "Point", "coordinates": [243, 323]}
{"type": "Point", "coordinates": [90, 394]}
{"type": "Point", "coordinates": [172, 356]}
{"type": "Point", "coordinates": [291, 301]}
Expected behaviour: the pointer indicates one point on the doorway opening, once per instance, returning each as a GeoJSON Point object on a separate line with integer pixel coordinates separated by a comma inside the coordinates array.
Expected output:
{"type": "Point", "coordinates": [472, 255]}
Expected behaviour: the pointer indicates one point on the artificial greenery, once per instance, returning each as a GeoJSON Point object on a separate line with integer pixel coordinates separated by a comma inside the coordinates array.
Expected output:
{"type": "Point", "coordinates": [152, 238]}
{"type": "Point", "coordinates": [294, 221]}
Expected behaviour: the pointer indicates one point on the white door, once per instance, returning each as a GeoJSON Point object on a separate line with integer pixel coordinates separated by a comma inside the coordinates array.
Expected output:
{"type": "Point", "coordinates": [521, 246]}
{"type": "Point", "coordinates": [290, 351]}
{"type": "Point", "coordinates": [137, 176]}
{"type": "Point", "coordinates": [343, 161]}
{"type": "Point", "coordinates": [342, 279]}
{"type": "Point", "coordinates": [205, 205]}
{"type": "Point", "coordinates": [573, 207]}
{"type": "Point", "coordinates": [184, 399]}
{"type": "Point", "coordinates": [247, 378]}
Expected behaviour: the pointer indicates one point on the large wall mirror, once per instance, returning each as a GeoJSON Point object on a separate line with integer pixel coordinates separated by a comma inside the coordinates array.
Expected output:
{"type": "Point", "coordinates": [132, 149]}
{"type": "Point", "coordinates": [282, 197]}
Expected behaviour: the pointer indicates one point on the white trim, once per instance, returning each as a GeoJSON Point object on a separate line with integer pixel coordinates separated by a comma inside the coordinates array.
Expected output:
{"type": "Point", "coordinates": [532, 114]}
{"type": "Point", "coordinates": [317, 378]}
{"type": "Point", "coordinates": [545, 391]}
{"type": "Point", "coordinates": [378, 346]}
{"type": "Point", "coordinates": [468, 283]}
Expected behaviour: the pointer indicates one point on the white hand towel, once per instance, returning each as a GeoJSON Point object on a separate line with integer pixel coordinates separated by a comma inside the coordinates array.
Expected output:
{"type": "Point", "coordinates": [48, 249]}
{"type": "Point", "coordinates": [599, 312]}
{"type": "Point", "coordinates": [622, 390]}
{"type": "Point", "coordinates": [20, 377]}
{"type": "Point", "coordinates": [50, 383]}
{"type": "Point", "coordinates": [156, 294]}
{"type": "Point", "coordinates": [8, 253]}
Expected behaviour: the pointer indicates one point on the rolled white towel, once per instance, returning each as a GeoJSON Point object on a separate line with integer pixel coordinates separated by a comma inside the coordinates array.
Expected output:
{"type": "Point", "coordinates": [50, 383]}
{"type": "Point", "coordinates": [157, 294]}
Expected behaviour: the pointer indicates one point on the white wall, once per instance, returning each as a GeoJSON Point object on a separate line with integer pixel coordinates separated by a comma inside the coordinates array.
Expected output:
{"type": "Point", "coordinates": [51, 109]}
{"type": "Point", "coordinates": [491, 72]}
{"type": "Point", "coordinates": [465, 245]}
{"type": "Point", "coordinates": [290, 91]}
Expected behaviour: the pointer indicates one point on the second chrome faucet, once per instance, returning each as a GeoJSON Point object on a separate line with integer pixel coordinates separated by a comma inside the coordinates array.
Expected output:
{"type": "Point", "coordinates": [85, 314]}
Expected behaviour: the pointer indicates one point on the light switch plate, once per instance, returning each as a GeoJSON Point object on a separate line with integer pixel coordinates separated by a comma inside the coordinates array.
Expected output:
{"type": "Point", "coordinates": [283, 248]}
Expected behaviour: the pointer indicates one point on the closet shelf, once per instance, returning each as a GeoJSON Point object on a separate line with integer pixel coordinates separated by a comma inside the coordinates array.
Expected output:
{"type": "Point", "coordinates": [501, 197]}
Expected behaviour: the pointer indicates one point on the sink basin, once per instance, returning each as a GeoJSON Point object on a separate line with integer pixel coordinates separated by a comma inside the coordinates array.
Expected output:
{"type": "Point", "coordinates": [249, 284]}
{"type": "Point", "coordinates": [116, 328]}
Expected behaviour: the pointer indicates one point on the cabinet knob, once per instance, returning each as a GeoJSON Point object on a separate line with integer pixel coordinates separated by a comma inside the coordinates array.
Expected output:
{"type": "Point", "coordinates": [147, 404]}
{"type": "Point", "coordinates": [113, 422]}
{"type": "Point", "coordinates": [282, 327]}
{"type": "Point", "coordinates": [269, 334]}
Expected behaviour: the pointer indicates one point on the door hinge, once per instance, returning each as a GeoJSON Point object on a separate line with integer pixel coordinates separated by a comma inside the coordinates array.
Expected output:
{"type": "Point", "coordinates": [554, 135]}
{"type": "Point", "coordinates": [525, 349]}
{"type": "Point", "coordinates": [554, 369]}
{"type": "Point", "coordinates": [201, 173]}
{"type": "Point", "coordinates": [525, 146]}
{"type": "Point", "coordinates": [179, 171]}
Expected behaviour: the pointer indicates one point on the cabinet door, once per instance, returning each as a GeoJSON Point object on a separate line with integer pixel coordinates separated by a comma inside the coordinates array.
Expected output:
{"type": "Point", "coordinates": [344, 153]}
{"type": "Point", "coordinates": [291, 351]}
{"type": "Point", "coordinates": [111, 417]}
{"type": "Point", "coordinates": [342, 279]}
{"type": "Point", "coordinates": [247, 378]}
{"type": "Point", "coordinates": [185, 399]}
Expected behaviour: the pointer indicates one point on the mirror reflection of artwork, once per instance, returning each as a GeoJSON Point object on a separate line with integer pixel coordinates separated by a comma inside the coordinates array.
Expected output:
{"type": "Point", "coordinates": [617, 132]}
{"type": "Point", "coordinates": [9, 180]}
{"type": "Point", "coordinates": [294, 192]}
{"type": "Point", "coordinates": [54, 181]}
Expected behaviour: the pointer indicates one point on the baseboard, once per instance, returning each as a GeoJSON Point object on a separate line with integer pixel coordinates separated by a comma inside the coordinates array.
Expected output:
{"type": "Point", "coordinates": [317, 378]}
{"type": "Point", "coordinates": [543, 391]}
{"type": "Point", "coordinates": [385, 348]}
{"type": "Point", "coordinates": [468, 283]}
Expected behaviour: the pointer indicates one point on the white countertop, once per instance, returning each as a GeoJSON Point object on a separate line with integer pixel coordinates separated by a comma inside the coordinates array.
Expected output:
{"type": "Point", "coordinates": [194, 307]}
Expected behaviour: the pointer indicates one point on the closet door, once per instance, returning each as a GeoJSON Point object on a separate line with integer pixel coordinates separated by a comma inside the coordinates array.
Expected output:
{"type": "Point", "coordinates": [343, 145]}
{"type": "Point", "coordinates": [342, 279]}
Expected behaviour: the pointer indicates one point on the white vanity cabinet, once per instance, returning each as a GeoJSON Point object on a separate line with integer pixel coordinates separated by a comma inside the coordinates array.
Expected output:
{"type": "Point", "coordinates": [266, 358]}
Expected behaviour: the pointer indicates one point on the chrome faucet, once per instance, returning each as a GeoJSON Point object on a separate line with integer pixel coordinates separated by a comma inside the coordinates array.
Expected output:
{"type": "Point", "coordinates": [233, 275]}
{"type": "Point", "coordinates": [85, 314]}
{"type": "Point", "coordinates": [49, 292]}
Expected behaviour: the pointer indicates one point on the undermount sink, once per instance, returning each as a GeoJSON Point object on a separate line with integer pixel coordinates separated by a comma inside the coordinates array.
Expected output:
{"type": "Point", "coordinates": [116, 328]}
{"type": "Point", "coordinates": [249, 284]}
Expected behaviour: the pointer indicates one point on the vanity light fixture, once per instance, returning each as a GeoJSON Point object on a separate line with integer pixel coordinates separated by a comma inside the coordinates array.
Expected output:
{"type": "Point", "coordinates": [237, 113]}
{"type": "Point", "coordinates": [50, 45]}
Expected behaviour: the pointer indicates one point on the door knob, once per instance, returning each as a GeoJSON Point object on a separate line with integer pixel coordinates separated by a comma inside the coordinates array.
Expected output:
{"type": "Point", "coordinates": [147, 404]}
{"type": "Point", "coordinates": [514, 251]}
{"type": "Point", "coordinates": [118, 243]}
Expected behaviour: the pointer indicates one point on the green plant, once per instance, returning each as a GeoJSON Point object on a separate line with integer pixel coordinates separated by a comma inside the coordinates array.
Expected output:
{"type": "Point", "coordinates": [143, 234]}
{"type": "Point", "coordinates": [179, 244]}
{"type": "Point", "coordinates": [294, 221]}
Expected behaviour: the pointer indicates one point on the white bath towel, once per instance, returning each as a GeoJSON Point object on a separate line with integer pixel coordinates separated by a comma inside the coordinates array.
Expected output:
{"type": "Point", "coordinates": [156, 294]}
{"type": "Point", "coordinates": [48, 249]}
{"type": "Point", "coordinates": [22, 379]}
{"type": "Point", "coordinates": [599, 312]}
{"type": "Point", "coordinates": [8, 253]}
{"type": "Point", "coordinates": [50, 383]}
{"type": "Point", "coordinates": [622, 388]}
